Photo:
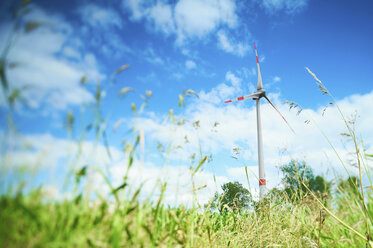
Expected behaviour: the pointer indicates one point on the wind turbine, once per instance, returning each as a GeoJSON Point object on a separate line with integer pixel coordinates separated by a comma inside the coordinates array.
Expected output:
{"type": "Point", "coordinates": [256, 96]}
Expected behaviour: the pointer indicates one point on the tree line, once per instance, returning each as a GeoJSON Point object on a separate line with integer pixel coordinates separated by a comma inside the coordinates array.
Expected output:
{"type": "Point", "coordinates": [296, 184]}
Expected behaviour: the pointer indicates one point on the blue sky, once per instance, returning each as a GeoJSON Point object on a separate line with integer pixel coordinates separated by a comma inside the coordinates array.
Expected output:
{"type": "Point", "coordinates": [206, 46]}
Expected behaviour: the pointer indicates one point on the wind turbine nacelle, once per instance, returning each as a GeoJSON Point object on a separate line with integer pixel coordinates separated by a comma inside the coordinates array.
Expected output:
{"type": "Point", "coordinates": [260, 93]}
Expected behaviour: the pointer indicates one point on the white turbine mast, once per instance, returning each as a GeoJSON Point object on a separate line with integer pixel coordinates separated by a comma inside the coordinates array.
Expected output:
{"type": "Point", "coordinates": [256, 96]}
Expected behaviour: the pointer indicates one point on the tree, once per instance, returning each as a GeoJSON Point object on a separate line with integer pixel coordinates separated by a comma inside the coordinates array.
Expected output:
{"type": "Point", "coordinates": [319, 185]}
{"type": "Point", "coordinates": [350, 186]}
{"type": "Point", "coordinates": [296, 173]}
{"type": "Point", "coordinates": [234, 196]}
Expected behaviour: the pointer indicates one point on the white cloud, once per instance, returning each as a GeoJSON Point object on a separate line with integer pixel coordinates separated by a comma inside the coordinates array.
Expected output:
{"type": "Point", "coordinates": [237, 127]}
{"type": "Point", "coordinates": [43, 152]}
{"type": "Point", "coordinates": [177, 75]}
{"type": "Point", "coordinates": [189, 64]}
{"type": "Point", "coordinates": [95, 15]}
{"type": "Point", "coordinates": [111, 44]}
{"type": "Point", "coordinates": [232, 46]}
{"type": "Point", "coordinates": [187, 18]}
{"type": "Point", "coordinates": [235, 81]}
{"type": "Point", "coordinates": [50, 155]}
{"type": "Point", "coordinates": [276, 79]}
{"type": "Point", "coordinates": [43, 77]}
{"type": "Point", "coordinates": [289, 6]}
{"type": "Point", "coordinates": [223, 91]}
{"type": "Point", "coordinates": [218, 94]}
{"type": "Point", "coordinates": [137, 8]}
{"type": "Point", "coordinates": [69, 51]}
{"type": "Point", "coordinates": [197, 18]}
{"type": "Point", "coordinates": [161, 14]}
{"type": "Point", "coordinates": [98, 20]}
{"type": "Point", "coordinates": [152, 57]}
{"type": "Point", "coordinates": [179, 182]}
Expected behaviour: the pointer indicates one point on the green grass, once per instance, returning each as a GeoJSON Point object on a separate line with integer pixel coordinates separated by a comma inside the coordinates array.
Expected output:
{"type": "Point", "coordinates": [27, 221]}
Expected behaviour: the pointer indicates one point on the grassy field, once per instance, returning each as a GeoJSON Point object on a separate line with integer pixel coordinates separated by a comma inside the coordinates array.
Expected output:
{"type": "Point", "coordinates": [28, 221]}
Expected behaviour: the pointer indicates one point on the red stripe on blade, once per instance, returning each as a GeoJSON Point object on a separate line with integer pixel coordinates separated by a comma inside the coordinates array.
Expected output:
{"type": "Point", "coordinates": [228, 101]}
{"type": "Point", "coordinates": [240, 98]}
{"type": "Point", "coordinates": [257, 60]}
{"type": "Point", "coordinates": [254, 45]}
{"type": "Point", "coordinates": [262, 182]}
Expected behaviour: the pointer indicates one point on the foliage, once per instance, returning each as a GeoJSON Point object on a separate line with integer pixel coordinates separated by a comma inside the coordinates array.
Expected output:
{"type": "Point", "coordinates": [234, 197]}
{"type": "Point", "coordinates": [297, 175]}
{"type": "Point", "coordinates": [30, 221]}
{"type": "Point", "coordinates": [350, 185]}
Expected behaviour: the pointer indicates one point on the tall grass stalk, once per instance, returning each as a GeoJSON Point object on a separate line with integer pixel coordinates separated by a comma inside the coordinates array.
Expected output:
{"type": "Point", "coordinates": [352, 134]}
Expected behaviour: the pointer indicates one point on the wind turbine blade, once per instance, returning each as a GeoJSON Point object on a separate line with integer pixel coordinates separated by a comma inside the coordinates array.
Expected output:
{"type": "Point", "coordinates": [260, 84]}
{"type": "Point", "coordinates": [255, 95]}
{"type": "Point", "coordinates": [278, 111]}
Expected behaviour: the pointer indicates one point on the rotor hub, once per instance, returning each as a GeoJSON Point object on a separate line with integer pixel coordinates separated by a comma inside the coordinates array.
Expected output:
{"type": "Point", "coordinates": [259, 94]}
